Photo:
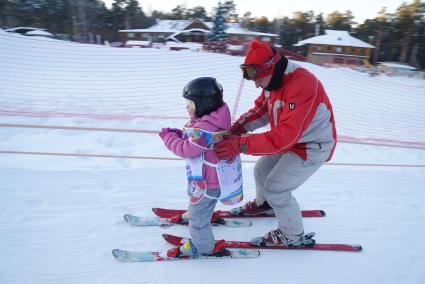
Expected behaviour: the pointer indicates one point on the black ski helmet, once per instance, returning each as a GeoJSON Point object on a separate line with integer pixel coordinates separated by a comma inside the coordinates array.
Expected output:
{"type": "Point", "coordinates": [206, 93]}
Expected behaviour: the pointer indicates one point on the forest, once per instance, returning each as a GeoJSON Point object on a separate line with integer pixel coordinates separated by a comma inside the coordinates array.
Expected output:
{"type": "Point", "coordinates": [398, 36]}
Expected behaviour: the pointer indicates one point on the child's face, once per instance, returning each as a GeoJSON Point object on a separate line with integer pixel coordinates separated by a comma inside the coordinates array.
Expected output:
{"type": "Point", "coordinates": [191, 108]}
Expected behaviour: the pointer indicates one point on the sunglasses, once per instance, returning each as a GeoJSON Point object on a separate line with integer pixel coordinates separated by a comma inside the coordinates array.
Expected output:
{"type": "Point", "coordinates": [254, 72]}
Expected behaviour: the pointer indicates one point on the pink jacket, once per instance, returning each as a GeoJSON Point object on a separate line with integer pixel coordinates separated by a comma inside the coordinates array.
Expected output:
{"type": "Point", "coordinates": [216, 121]}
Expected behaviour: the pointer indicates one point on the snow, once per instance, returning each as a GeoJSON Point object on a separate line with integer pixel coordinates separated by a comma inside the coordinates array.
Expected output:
{"type": "Point", "coordinates": [174, 26]}
{"type": "Point", "coordinates": [396, 65]}
{"type": "Point", "coordinates": [38, 33]}
{"type": "Point", "coordinates": [61, 216]}
{"type": "Point", "coordinates": [333, 37]}
{"type": "Point", "coordinates": [137, 42]}
{"type": "Point", "coordinates": [16, 29]}
{"type": "Point", "coordinates": [235, 28]}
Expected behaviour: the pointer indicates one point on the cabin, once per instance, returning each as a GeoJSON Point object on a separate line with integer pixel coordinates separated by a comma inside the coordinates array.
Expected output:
{"type": "Point", "coordinates": [335, 48]}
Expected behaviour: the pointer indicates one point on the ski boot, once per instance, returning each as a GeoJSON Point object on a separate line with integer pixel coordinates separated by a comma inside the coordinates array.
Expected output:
{"type": "Point", "coordinates": [276, 238]}
{"type": "Point", "coordinates": [180, 219]}
{"type": "Point", "coordinates": [189, 250]}
{"type": "Point", "coordinates": [184, 219]}
{"type": "Point", "coordinates": [251, 209]}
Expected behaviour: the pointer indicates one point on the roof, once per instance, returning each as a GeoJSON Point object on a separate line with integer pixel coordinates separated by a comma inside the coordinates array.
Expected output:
{"type": "Point", "coordinates": [235, 28]}
{"type": "Point", "coordinates": [38, 33]}
{"type": "Point", "coordinates": [165, 26]}
{"type": "Point", "coordinates": [174, 26]}
{"type": "Point", "coordinates": [15, 29]}
{"type": "Point", "coordinates": [333, 37]}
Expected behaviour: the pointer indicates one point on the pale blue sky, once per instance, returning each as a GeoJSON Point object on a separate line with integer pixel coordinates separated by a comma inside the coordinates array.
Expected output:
{"type": "Point", "coordinates": [362, 9]}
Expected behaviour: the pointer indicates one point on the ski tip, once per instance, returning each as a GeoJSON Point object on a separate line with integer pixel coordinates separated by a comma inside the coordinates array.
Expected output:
{"type": "Point", "coordinates": [358, 247]}
{"type": "Point", "coordinates": [322, 213]}
{"type": "Point", "coordinates": [117, 253]}
{"type": "Point", "coordinates": [165, 235]}
{"type": "Point", "coordinates": [154, 210]}
{"type": "Point", "coordinates": [127, 217]}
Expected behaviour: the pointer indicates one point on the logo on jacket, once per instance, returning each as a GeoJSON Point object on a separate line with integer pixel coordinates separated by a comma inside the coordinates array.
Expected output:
{"type": "Point", "coordinates": [291, 106]}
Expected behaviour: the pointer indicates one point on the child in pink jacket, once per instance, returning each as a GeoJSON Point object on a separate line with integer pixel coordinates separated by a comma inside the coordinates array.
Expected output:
{"type": "Point", "coordinates": [209, 120]}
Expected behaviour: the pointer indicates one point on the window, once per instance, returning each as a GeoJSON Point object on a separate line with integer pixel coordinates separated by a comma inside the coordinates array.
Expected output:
{"type": "Point", "coordinates": [131, 35]}
{"type": "Point", "coordinates": [339, 49]}
{"type": "Point", "coordinates": [265, 39]}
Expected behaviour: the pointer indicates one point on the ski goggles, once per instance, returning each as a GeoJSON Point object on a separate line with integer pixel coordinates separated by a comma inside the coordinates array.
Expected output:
{"type": "Point", "coordinates": [254, 72]}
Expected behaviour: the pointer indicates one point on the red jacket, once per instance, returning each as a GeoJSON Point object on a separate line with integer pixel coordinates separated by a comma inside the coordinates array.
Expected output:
{"type": "Point", "coordinates": [299, 113]}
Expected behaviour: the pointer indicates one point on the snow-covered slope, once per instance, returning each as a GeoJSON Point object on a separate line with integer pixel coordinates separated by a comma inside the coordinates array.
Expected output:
{"type": "Point", "coordinates": [60, 217]}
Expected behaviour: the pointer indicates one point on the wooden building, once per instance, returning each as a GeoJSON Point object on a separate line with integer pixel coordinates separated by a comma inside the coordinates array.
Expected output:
{"type": "Point", "coordinates": [192, 31]}
{"type": "Point", "coordinates": [336, 47]}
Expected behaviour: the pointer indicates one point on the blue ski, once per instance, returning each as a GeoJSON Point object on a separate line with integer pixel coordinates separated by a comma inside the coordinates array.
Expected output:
{"type": "Point", "coordinates": [149, 256]}
{"type": "Point", "coordinates": [157, 221]}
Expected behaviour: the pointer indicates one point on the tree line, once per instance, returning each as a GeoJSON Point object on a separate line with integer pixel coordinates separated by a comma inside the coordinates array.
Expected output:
{"type": "Point", "coordinates": [398, 36]}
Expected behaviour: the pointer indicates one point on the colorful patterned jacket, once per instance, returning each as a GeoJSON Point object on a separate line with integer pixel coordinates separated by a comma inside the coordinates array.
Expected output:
{"type": "Point", "coordinates": [216, 121]}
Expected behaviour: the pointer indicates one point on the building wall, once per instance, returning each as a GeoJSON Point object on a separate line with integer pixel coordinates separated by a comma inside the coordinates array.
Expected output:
{"type": "Point", "coordinates": [153, 37]}
{"type": "Point", "coordinates": [334, 59]}
{"type": "Point", "coordinates": [193, 38]}
{"type": "Point", "coordinates": [356, 55]}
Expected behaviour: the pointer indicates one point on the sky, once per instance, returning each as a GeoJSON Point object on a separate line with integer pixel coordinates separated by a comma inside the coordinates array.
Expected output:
{"type": "Point", "coordinates": [362, 9]}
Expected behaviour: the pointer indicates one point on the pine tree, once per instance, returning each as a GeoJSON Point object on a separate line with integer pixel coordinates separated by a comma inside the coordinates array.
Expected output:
{"type": "Point", "coordinates": [178, 13]}
{"type": "Point", "coordinates": [229, 10]}
{"type": "Point", "coordinates": [218, 33]}
{"type": "Point", "coordinates": [197, 12]}
{"type": "Point", "coordinates": [340, 21]}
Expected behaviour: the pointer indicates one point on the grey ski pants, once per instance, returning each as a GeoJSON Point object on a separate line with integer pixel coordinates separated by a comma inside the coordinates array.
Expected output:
{"type": "Point", "coordinates": [275, 178]}
{"type": "Point", "coordinates": [200, 222]}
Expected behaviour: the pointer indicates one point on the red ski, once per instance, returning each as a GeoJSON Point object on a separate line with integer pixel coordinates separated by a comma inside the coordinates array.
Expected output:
{"type": "Point", "coordinates": [178, 241]}
{"type": "Point", "coordinates": [168, 213]}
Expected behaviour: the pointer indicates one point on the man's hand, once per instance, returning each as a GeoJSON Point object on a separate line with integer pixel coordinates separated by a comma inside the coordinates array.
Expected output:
{"type": "Point", "coordinates": [228, 148]}
{"type": "Point", "coordinates": [237, 129]}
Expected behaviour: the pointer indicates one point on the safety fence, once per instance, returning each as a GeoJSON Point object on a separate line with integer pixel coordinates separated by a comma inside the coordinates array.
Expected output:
{"type": "Point", "coordinates": [399, 144]}
{"type": "Point", "coordinates": [46, 79]}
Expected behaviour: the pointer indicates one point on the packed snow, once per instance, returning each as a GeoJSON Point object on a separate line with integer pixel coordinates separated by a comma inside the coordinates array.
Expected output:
{"type": "Point", "coordinates": [61, 216]}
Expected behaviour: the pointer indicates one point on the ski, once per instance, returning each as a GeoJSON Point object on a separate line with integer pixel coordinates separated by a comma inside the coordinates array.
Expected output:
{"type": "Point", "coordinates": [178, 241]}
{"type": "Point", "coordinates": [158, 221]}
{"type": "Point", "coordinates": [148, 256]}
{"type": "Point", "coordinates": [168, 213]}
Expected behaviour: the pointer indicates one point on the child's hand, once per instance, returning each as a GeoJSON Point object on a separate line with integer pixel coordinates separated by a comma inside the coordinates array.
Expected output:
{"type": "Point", "coordinates": [177, 131]}
{"type": "Point", "coordinates": [164, 132]}
{"type": "Point", "coordinates": [167, 130]}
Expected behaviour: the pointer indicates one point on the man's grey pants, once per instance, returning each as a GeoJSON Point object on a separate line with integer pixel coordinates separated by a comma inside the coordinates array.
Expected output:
{"type": "Point", "coordinates": [200, 222]}
{"type": "Point", "coordinates": [275, 178]}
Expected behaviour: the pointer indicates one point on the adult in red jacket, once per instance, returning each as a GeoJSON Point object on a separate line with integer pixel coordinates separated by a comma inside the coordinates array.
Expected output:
{"type": "Point", "coordinates": [302, 137]}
